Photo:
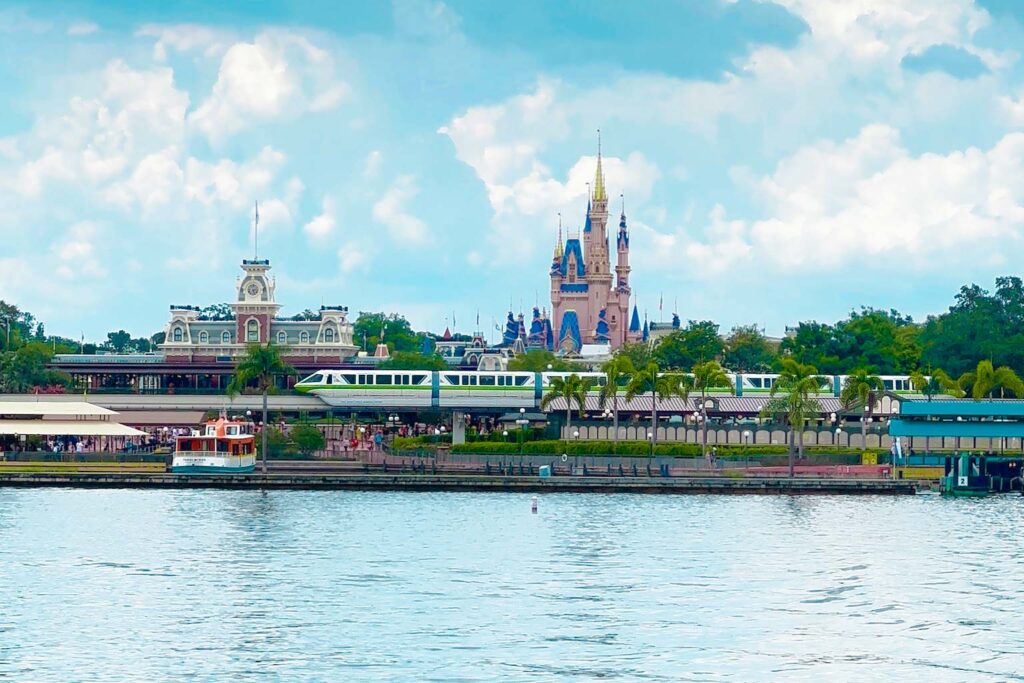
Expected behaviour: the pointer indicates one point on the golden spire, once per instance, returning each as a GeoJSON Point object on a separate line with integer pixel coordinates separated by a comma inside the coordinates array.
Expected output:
{"type": "Point", "coordinates": [599, 192]}
{"type": "Point", "coordinates": [558, 247]}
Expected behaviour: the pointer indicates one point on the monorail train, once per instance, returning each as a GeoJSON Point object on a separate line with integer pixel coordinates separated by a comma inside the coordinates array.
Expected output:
{"type": "Point", "coordinates": [474, 389]}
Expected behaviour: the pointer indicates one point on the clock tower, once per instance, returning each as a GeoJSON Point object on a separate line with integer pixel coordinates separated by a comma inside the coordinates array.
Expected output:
{"type": "Point", "coordinates": [254, 306]}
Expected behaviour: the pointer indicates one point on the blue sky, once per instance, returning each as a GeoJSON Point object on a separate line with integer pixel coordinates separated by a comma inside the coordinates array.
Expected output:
{"type": "Point", "coordinates": [780, 161]}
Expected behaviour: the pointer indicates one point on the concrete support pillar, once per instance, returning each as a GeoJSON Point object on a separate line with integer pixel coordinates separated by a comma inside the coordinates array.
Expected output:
{"type": "Point", "coordinates": [458, 427]}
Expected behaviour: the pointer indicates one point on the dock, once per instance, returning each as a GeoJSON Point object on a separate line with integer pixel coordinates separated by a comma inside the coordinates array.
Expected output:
{"type": "Point", "coordinates": [458, 482]}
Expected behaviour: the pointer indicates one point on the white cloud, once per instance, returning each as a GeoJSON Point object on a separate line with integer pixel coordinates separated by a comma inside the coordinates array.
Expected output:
{"type": "Point", "coordinates": [230, 182]}
{"type": "Point", "coordinates": [83, 28]}
{"type": "Point", "coordinates": [277, 74]}
{"type": "Point", "coordinates": [75, 253]}
{"type": "Point", "coordinates": [351, 256]}
{"type": "Point", "coordinates": [184, 38]}
{"type": "Point", "coordinates": [322, 225]}
{"type": "Point", "coordinates": [868, 198]}
{"type": "Point", "coordinates": [390, 211]}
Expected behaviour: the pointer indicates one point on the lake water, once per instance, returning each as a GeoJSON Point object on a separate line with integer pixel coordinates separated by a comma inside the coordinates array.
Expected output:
{"type": "Point", "coordinates": [342, 586]}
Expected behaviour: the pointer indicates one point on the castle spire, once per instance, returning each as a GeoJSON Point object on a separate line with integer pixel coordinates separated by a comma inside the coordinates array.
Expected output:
{"type": "Point", "coordinates": [558, 247]}
{"type": "Point", "coordinates": [599, 193]}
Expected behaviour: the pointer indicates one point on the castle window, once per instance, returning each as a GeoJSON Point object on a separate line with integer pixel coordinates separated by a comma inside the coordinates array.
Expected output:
{"type": "Point", "coordinates": [178, 334]}
{"type": "Point", "coordinates": [204, 337]}
{"type": "Point", "coordinates": [329, 335]}
{"type": "Point", "coordinates": [252, 330]}
{"type": "Point", "coordinates": [304, 337]}
{"type": "Point", "coordinates": [225, 337]}
{"type": "Point", "coordinates": [282, 338]}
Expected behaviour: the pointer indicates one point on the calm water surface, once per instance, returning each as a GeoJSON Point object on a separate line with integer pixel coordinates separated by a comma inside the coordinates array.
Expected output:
{"type": "Point", "coordinates": [324, 586]}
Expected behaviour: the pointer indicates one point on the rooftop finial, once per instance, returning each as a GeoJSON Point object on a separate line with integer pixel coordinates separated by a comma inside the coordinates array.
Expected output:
{"type": "Point", "coordinates": [599, 193]}
{"type": "Point", "coordinates": [558, 247]}
{"type": "Point", "coordinates": [622, 198]}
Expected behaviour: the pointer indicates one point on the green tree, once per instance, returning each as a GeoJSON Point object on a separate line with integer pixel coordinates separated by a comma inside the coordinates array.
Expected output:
{"type": "Point", "coordinates": [119, 340]}
{"type": "Point", "coordinates": [861, 388]}
{"type": "Point", "coordinates": [660, 386]}
{"type": "Point", "coordinates": [573, 389]}
{"type": "Point", "coordinates": [217, 312]}
{"type": "Point", "coordinates": [794, 395]}
{"type": "Point", "coordinates": [748, 350]}
{"type": "Point", "coordinates": [695, 343]}
{"type": "Point", "coordinates": [26, 369]}
{"type": "Point", "coordinates": [539, 360]}
{"type": "Point", "coordinates": [638, 353]}
{"type": "Point", "coordinates": [306, 315]}
{"type": "Point", "coordinates": [617, 371]}
{"type": "Point", "coordinates": [398, 334]}
{"type": "Point", "coordinates": [260, 366]}
{"type": "Point", "coordinates": [985, 380]}
{"type": "Point", "coordinates": [811, 343]}
{"type": "Point", "coordinates": [707, 376]}
{"type": "Point", "coordinates": [413, 360]}
{"type": "Point", "coordinates": [308, 439]}
{"type": "Point", "coordinates": [937, 382]}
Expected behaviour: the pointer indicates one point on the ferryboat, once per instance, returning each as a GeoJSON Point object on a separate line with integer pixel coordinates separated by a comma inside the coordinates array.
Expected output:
{"type": "Point", "coordinates": [220, 446]}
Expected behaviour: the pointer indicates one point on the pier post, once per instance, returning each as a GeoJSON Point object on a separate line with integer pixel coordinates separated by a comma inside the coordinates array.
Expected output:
{"type": "Point", "coordinates": [458, 427]}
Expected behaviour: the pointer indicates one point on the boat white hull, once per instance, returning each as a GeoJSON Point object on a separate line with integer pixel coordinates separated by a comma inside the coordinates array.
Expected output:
{"type": "Point", "coordinates": [230, 464]}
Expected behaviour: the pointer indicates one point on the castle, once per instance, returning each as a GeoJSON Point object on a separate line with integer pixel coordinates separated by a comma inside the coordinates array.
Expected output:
{"type": "Point", "coordinates": [585, 306]}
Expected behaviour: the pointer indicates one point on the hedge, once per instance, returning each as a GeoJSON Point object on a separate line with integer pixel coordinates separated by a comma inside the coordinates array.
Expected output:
{"type": "Point", "coordinates": [638, 448]}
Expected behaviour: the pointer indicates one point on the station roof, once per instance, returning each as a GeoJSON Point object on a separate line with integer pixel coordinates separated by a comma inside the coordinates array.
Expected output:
{"type": "Point", "coordinates": [994, 407]}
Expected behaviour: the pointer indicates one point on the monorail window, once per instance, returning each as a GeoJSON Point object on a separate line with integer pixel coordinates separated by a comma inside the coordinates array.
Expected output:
{"type": "Point", "coordinates": [363, 379]}
{"type": "Point", "coordinates": [521, 381]}
{"type": "Point", "coordinates": [487, 380]}
{"type": "Point", "coordinates": [349, 379]}
{"type": "Point", "coordinates": [418, 379]}
{"type": "Point", "coordinates": [755, 382]}
{"type": "Point", "coordinates": [314, 379]}
{"type": "Point", "coordinates": [887, 383]}
{"type": "Point", "coordinates": [384, 379]}
{"type": "Point", "coordinates": [330, 379]}
{"type": "Point", "coordinates": [452, 379]}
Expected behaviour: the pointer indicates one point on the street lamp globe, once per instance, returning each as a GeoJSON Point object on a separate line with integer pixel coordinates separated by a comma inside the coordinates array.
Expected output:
{"type": "Point", "coordinates": [576, 434]}
{"type": "Point", "coordinates": [832, 417]}
{"type": "Point", "coordinates": [437, 432]}
{"type": "Point", "coordinates": [504, 432]}
{"type": "Point", "coordinates": [522, 411]}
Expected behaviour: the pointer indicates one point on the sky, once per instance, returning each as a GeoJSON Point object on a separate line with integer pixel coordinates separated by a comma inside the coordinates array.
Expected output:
{"type": "Point", "coordinates": [777, 161]}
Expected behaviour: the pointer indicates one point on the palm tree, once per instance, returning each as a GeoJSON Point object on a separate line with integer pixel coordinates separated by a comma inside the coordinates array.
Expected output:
{"type": "Point", "coordinates": [260, 365]}
{"type": "Point", "coordinates": [617, 371]}
{"type": "Point", "coordinates": [793, 395]}
{"type": "Point", "coordinates": [707, 376]}
{"type": "Point", "coordinates": [860, 389]}
{"type": "Point", "coordinates": [571, 388]}
{"type": "Point", "coordinates": [935, 383]}
{"type": "Point", "coordinates": [647, 379]}
{"type": "Point", "coordinates": [985, 379]}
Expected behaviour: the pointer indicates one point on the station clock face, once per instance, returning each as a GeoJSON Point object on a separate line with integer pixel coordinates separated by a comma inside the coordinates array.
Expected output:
{"type": "Point", "coordinates": [253, 289]}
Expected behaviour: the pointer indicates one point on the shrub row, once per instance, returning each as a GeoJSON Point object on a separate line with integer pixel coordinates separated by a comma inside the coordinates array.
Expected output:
{"type": "Point", "coordinates": [639, 448]}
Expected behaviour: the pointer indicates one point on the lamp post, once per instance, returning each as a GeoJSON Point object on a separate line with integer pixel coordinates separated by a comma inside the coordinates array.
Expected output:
{"type": "Point", "coordinates": [576, 453]}
{"type": "Point", "coordinates": [521, 433]}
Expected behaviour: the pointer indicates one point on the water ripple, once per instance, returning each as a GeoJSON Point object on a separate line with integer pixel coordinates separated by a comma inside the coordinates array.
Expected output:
{"type": "Point", "coordinates": [318, 586]}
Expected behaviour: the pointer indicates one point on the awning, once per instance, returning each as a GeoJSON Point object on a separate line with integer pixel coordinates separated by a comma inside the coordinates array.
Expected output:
{"type": "Point", "coordinates": [67, 428]}
{"type": "Point", "coordinates": [55, 408]}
